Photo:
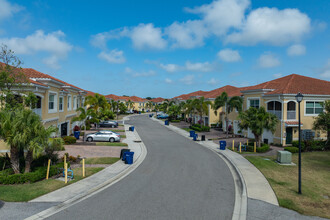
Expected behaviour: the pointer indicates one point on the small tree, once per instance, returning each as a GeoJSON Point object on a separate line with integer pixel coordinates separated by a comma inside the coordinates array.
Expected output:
{"type": "Point", "coordinates": [174, 111]}
{"type": "Point", "coordinates": [201, 107]}
{"type": "Point", "coordinates": [228, 105]}
{"type": "Point", "coordinates": [258, 119]}
{"type": "Point", "coordinates": [322, 121]}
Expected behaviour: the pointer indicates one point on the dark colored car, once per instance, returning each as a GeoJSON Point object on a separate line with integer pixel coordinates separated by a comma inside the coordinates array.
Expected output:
{"type": "Point", "coordinates": [108, 124]}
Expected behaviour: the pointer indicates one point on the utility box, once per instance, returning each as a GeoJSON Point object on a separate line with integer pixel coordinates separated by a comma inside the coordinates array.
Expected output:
{"type": "Point", "coordinates": [284, 157]}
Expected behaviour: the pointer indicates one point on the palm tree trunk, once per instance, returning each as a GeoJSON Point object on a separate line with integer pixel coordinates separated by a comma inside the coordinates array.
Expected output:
{"type": "Point", "coordinates": [226, 126]}
{"type": "Point", "coordinates": [257, 139]}
{"type": "Point", "coordinates": [28, 161]}
{"type": "Point", "coordinates": [84, 130]}
{"type": "Point", "coordinates": [14, 158]}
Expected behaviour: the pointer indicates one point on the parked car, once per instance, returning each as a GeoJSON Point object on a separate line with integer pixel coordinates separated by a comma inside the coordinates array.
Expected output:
{"type": "Point", "coordinates": [162, 116]}
{"type": "Point", "coordinates": [108, 124]}
{"type": "Point", "coordinates": [160, 113]}
{"type": "Point", "coordinates": [103, 136]}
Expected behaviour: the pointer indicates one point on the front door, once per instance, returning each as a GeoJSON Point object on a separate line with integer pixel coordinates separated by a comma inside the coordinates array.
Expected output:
{"type": "Point", "coordinates": [64, 129]}
{"type": "Point", "coordinates": [288, 136]}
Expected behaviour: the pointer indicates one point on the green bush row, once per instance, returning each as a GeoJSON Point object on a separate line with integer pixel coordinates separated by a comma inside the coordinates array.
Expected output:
{"type": "Point", "coordinates": [69, 140]}
{"type": "Point", "coordinates": [292, 149]}
{"type": "Point", "coordinates": [312, 145]}
{"type": "Point", "coordinates": [174, 120]}
{"type": "Point", "coordinates": [198, 127]}
{"type": "Point", "coordinates": [7, 177]}
{"type": "Point", "coordinates": [88, 127]}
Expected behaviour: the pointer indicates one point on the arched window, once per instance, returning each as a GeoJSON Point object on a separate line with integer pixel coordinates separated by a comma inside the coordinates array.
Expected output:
{"type": "Point", "coordinates": [291, 110]}
{"type": "Point", "coordinates": [275, 107]}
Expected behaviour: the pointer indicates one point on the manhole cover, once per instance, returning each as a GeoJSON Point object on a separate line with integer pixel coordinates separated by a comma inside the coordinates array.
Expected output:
{"type": "Point", "coordinates": [137, 141]}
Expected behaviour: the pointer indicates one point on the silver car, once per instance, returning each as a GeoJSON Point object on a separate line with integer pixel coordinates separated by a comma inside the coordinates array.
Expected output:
{"type": "Point", "coordinates": [103, 136]}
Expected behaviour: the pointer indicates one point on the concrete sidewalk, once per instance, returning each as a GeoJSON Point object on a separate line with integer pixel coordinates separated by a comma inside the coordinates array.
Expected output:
{"type": "Point", "coordinates": [87, 187]}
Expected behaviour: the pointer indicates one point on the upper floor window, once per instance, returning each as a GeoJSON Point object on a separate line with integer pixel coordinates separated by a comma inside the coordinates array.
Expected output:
{"type": "Point", "coordinates": [313, 108]}
{"type": "Point", "coordinates": [275, 107]}
{"type": "Point", "coordinates": [74, 102]}
{"type": "Point", "coordinates": [52, 102]}
{"type": "Point", "coordinates": [69, 102]}
{"type": "Point", "coordinates": [78, 100]}
{"type": "Point", "coordinates": [60, 103]}
{"type": "Point", "coordinates": [254, 103]}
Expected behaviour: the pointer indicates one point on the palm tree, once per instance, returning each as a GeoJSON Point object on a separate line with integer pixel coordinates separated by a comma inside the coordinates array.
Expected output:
{"type": "Point", "coordinates": [84, 115]}
{"type": "Point", "coordinates": [174, 111]}
{"type": "Point", "coordinates": [96, 102]}
{"type": "Point", "coordinates": [201, 106]}
{"type": "Point", "coordinates": [130, 104]}
{"type": "Point", "coordinates": [229, 104]}
{"type": "Point", "coordinates": [189, 108]}
{"type": "Point", "coordinates": [149, 105]}
{"type": "Point", "coordinates": [257, 119]}
{"type": "Point", "coordinates": [322, 121]}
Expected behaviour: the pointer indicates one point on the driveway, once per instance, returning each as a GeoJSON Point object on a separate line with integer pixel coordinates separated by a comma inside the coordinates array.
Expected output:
{"type": "Point", "coordinates": [178, 180]}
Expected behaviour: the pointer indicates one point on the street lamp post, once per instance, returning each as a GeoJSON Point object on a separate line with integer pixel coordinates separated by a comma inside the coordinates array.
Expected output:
{"type": "Point", "coordinates": [299, 98]}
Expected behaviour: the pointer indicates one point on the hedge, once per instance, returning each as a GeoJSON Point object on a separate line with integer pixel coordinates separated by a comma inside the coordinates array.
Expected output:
{"type": "Point", "coordinates": [174, 120]}
{"type": "Point", "coordinates": [311, 145]}
{"type": "Point", "coordinates": [69, 140]}
{"type": "Point", "coordinates": [292, 149]}
{"type": "Point", "coordinates": [7, 177]}
{"type": "Point", "coordinates": [198, 127]}
{"type": "Point", "coordinates": [263, 148]}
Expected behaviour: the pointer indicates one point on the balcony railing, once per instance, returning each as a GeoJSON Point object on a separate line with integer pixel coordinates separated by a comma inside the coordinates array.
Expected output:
{"type": "Point", "coordinates": [277, 113]}
{"type": "Point", "coordinates": [291, 115]}
{"type": "Point", "coordinates": [38, 111]}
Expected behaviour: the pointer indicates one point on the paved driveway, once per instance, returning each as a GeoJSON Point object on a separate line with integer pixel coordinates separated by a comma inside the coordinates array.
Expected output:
{"type": "Point", "coordinates": [178, 180]}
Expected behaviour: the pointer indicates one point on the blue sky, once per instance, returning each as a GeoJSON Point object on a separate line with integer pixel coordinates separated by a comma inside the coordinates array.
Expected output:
{"type": "Point", "coordinates": [167, 48]}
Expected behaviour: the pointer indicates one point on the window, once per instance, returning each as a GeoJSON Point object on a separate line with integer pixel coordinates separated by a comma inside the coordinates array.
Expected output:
{"type": "Point", "coordinates": [78, 102]}
{"type": "Point", "coordinates": [254, 103]}
{"type": "Point", "coordinates": [275, 107]}
{"type": "Point", "coordinates": [60, 104]}
{"type": "Point", "coordinates": [313, 108]}
{"type": "Point", "coordinates": [69, 102]}
{"type": "Point", "coordinates": [74, 102]}
{"type": "Point", "coordinates": [82, 101]}
{"type": "Point", "coordinates": [52, 102]}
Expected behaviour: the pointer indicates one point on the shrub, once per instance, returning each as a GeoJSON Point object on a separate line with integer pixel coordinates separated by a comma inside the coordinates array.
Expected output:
{"type": "Point", "coordinates": [7, 177]}
{"type": "Point", "coordinates": [205, 128]}
{"type": "Point", "coordinates": [4, 162]}
{"type": "Point", "coordinates": [292, 149]}
{"type": "Point", "coordinates": [88, 127]}
{"type": "Point", "coordinates": [175, 120]}
{"type": "Point", "coordinates": [296, 144]}
{"type": "Point", "coordinates": [82, 133]}
{"type": "Point", "coordinates": [197, 125]}
{"type": "Point", "coordinates": [69, 140]}
{"type": "Point", "coordinates": [213, 125]}
{"type": "Point", "coordinates": [263, 148]}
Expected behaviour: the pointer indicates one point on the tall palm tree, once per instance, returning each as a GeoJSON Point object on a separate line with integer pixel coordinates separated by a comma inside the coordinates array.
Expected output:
{"type": "Point", "coordinates": [84, 115]}
{"type": "Point", "coordinates": [96, 102]}
{"type": "Point", "coordinates": [228, 105]}
{"type": "Point", "coordinates": [201, 106]}
{"type": "Point", "coordinates": [258, 119]}
{"type": "Point", "coordinates": [189, 108]}
{"type": "Point", "coordinates": [322, 121]}
{"type": "Point", "coordinates": [130, 104]}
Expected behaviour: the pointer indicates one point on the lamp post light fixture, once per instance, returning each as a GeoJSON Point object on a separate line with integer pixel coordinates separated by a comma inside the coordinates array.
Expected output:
{"type": "Point", "coordinates": [299, 98]}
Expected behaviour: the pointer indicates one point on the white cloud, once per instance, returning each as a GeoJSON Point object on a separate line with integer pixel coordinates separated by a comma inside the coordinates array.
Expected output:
{"type": "Point", "coordinates": [187, 34]}
{"type": "Point", "coordinates": [144, 74]}
{"type": "Point", "coordinates": [100, 40]}
{"type": "Point", "coordinates": [296, 50]}
{"type": "Point", "coordinates": [171, 68]}
{"type": "Point", "coordinates": [128, 70]}
{"type": "Point", "coordinates": [7, 9]}
{"type": "Point", "coordinates": [277, 75]}
{"type": "Point", "coordinates": [268, 60]}
{"type": "Point", "coordinates": [114, 56]}
{"type": "Point", "coordinates": [52, 43]}
{"type": "Point", "coordinates": [326, 70]}
{"type": "Point", "coordinates": [188, 79]}
{"type": "Point", "coordinates": [168, 81]}
{"type": "Point", "coordinates": [213, 82]}
{"type": "Point", "coordinates": [199, 67]}
{"type": "Point", "coordinates": [147, 36]}
{"type": "Point", "coordinates": [272, 26]}
{"type": "Point", "coordinates": [221, 15]}
{"type": "Point", "coordinates": [229, 55]}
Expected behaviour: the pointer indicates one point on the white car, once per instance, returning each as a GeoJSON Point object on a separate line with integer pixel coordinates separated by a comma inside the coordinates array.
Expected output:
{"type": "Point", "coordinates": [103, 136]}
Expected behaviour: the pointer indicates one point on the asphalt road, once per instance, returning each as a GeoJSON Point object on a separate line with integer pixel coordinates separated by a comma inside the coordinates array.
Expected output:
{"type": "Point", "coordinates": [178, 179]}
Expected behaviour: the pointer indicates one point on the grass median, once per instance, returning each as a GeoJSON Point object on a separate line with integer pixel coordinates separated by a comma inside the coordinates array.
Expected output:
{"type": "Point", "coordinates": [114, 144]}
{"type": "Point", "coordinates": [101, 160]}
{"type": "Point", "coordinates": [314, 199]}
{"type": "Point", "coordinates": [29, 191]}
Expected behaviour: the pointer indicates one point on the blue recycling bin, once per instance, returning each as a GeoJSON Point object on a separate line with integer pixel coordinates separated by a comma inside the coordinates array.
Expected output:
{"type": "Point", "coordinates": [166, 122]}
{"type": "Point", "coordinates": [150, 115]}
{"type": "Point", "coordinates": [139, 113]}
{"type": "Point", "coordinates": [222, 145]}
{"type": "Point", "coordinates": [192, 133]}
{"type": "Point", "coordinates": [129, 157]}
{"type": "Point", "coordinates": [76, 134]}
{"type": "Point", "coordinates": [132, 128]}
{"type": "Point", "coordinates": [195, 137]}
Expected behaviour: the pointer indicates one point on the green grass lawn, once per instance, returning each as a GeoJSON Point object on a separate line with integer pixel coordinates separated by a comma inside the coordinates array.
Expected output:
{"type": "Point", "coordinates": [117, 130]}
{"type": "Point", "coordinates": [314, 199]}
{"type": "Point", "coordinates": [101, 160]}
{"type": "Point", "coordinates": [188, 129]}
{"type": "Point", "coordinates": [122, 136]}
{"type": "Point", "coordinates": [26, 192]}
{"type": "Point", "coordinates": [114, 144]}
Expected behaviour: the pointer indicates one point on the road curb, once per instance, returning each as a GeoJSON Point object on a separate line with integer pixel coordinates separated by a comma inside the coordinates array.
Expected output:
{"type": "Point", "coordinates": [240, 207]}
{"type": "Point", "coordinates": [78, 198]}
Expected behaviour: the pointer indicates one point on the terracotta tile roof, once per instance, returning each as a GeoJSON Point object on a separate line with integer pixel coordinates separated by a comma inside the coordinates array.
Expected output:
{"type": "Point", "coordinates": [292, 123]}
{"type": "Point", "coordinates": [230, 90]}
{"type": "Point", "coordinates": [159, 99]}
{"type": "Point", "coordinates": [32, 73]}
{"type": "Point", "coordinates": [37, 83]}
{"type": "Point", "coordinates": [292, 84]}
{"type": "Point", "coordinates": [187, 96]}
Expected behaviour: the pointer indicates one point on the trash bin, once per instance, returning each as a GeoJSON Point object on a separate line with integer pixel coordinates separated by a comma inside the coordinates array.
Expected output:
{"type": "Point", "coordinates": [132, 128]}
{"type": "Point", "coordinates": [203, 138]}
{"type": "Point", "coordinates": [222, 145]}
{"type": "Point", "coordinates": [122, 152]}
{"type": "Point", "coordinates": [150, 115]}
{"type": "Point", "coordinates": [195, 137]}
{"type": "Point", "coordinates": [166, 122]}
{"type": "Point", "coordinates": [192, 133]}
{"type": "Point", "coordinates": [76, 134]}
{"type": "Point", "coordinates": [129, 157]}
{"type": "Point", "coordinates": [139, 113]}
